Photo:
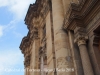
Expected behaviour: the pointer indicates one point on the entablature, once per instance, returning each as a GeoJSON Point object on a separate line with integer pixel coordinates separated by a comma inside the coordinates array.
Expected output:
{"type": "Point", "coordinates": [81, 14]}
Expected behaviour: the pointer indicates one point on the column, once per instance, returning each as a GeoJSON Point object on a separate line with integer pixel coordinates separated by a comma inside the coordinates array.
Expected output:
{"type": "Point", "coordinates": [75, 55]}
{"type": "Point", "coordinates": [61, 41]}
{"type": "Point", "coordinates": [81, 39]}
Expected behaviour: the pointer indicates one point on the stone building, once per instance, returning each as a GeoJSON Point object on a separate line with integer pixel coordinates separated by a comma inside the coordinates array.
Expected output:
{"type": "Point", "coordinates": [63, 38]}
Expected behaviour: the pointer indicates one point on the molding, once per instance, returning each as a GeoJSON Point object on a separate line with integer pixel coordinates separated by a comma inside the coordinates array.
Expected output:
{"type": "Point", "coordinates": [81, 14]}
{"type": "Point", "coordinates": [28, 40]}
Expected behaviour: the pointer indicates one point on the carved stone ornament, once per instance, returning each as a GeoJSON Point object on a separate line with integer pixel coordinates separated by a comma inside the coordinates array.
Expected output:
{"type": "Point", "coordinates": [80, 35]}
{"type": "Point", "coordinates": [81, 40]}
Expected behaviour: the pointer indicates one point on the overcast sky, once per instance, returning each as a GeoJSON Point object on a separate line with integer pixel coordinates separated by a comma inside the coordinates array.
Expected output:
{"type": "Point", "coordinates": [12, 30]}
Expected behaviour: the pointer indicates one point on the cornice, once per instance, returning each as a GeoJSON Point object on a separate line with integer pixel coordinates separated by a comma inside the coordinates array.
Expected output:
{"type": "Point", "coordinates": [81, 14]}
{"type": "Point", "coordinates": [39, 8]}
{"type": "Point", "coordinates": [28, 40]}
{"type": "Point", "coordinates": [32, 11]}
{"type": "Point", "coordinates": [35, 10]}
{"type": "Point", "coordinates": [23, 44]}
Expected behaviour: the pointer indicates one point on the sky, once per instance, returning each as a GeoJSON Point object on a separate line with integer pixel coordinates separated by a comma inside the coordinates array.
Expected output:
{"type": "Point", "coordinates": [12, 30]}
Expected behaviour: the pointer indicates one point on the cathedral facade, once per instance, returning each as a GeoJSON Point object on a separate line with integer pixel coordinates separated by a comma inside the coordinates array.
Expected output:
{"type": "Point", "coordinates": [63, 38]}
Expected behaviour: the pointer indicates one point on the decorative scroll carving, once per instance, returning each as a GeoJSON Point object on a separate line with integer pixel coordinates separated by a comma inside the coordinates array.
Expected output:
{"type": "Point", "coordinates": [81, 40]}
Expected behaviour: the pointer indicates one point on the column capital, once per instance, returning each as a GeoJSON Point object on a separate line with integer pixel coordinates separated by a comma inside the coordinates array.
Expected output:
{"type": "Point", "coordinates": [80, 35]}
{"type": "Point", "coordinates": [81, 40]}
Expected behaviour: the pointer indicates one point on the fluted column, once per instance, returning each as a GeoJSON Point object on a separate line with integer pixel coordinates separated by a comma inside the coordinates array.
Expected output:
{"type": "Point", "coordinates": [81, 41]}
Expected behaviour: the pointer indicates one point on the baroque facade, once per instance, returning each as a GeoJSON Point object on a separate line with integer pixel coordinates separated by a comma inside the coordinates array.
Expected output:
{"type": "Point", "coordinates": [64, 37]}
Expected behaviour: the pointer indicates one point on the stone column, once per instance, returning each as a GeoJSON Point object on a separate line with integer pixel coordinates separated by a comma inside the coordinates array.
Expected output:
{"type": "Point", "coordinates": [61, 41]}
{"type": "Point", "coordinates": [75, 55]}
{"type": "Point", "coordinates": [81, 41]}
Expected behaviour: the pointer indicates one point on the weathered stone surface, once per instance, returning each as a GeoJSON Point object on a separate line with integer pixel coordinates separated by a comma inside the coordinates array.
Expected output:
{"type": "Point", "coordinates": [57, 37]}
